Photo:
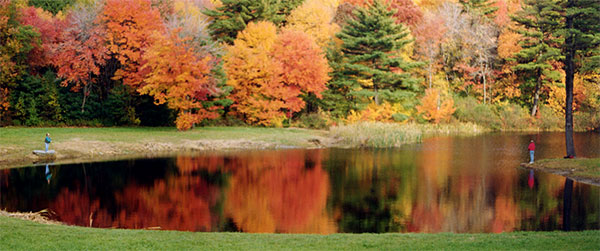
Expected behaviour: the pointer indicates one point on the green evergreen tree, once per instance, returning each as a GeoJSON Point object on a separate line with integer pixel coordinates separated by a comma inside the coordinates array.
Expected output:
{"type": "Point", "coordinates": [53, 6]}
{"type": "Point", "coordinates": [343, 91]}
{"type": "Point", "coordinates": [581, 51]}
{"type": "Point", "coordinates": [234, 15]}
{"type": "Point", "coordinates": [537, 21]}
{"type": "Point", "coordinates": [481, 7]}
{"type": "Point", "coordinates": [371, 45]}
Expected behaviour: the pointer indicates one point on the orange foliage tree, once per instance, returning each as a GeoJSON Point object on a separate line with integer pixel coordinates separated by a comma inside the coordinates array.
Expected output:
{"type": "Point", "coordinates": [175, 75]}
{"type": "Point", "coordinates": [434, 109]}
{"type": "Point", "coordinates": [268, 73]}
{"type": "Point", "coordinates": [130, 25]}
{"type": "Point", "coordinates": [302, 67]}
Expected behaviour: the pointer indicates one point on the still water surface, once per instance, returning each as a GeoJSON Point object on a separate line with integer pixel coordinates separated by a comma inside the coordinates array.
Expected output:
{"type": "Point", "coordinates": [445, 184]}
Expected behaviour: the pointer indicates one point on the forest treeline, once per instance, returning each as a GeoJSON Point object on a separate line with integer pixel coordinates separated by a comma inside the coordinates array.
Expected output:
{"type": "Point", "coordinates": [503, 64]}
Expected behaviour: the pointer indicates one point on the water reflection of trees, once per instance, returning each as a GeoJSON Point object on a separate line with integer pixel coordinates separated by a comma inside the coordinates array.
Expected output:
{"type": "Point", "coordinates": [275, 192]}
{"type": "Point", "coordinates": [279, 193]}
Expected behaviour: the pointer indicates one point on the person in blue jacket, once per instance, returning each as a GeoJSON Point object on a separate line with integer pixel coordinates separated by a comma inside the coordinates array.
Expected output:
{"type": "Point", "coordinates": [47, 141]}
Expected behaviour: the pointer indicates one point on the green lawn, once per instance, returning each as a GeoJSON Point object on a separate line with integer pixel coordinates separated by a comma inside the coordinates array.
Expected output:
{"type": "Point", "coordinates": [16, 234]}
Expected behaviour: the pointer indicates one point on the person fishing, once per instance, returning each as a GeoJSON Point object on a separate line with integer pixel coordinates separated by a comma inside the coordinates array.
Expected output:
{"type": "Point", "coordinates": [47, 141]}
{"type": "Point", "coordinates": [531, 149]}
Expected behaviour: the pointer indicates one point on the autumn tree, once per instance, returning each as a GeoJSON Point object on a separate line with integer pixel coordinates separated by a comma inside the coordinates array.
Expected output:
{"type": "Point", "coordinates": [537, 22]}
{"type": "Point", "coordinates": [435, 108]}
{"type": "Point", "coordinates": [429, 38]}
{"type": "Point", "coordinates": [268, 73]}
{"type": "Point", "coordinates": [175, 75]}
{"type": "Point", "coordinates": [81, 53]}
{"type": "Point", "coordinates": [233, 16]}
{"type": "Point", "coordinates": [129, 34]}
{"type": "Point", "coordinates": [16, 41]}
{"type": "Point", "coordinates": [302, 68]}
{"type": "Point", "coordinates": [49, 27]}
{"type": "Point", "coordinates": [371, 45]}
{"type": "Point", "coordinates": [315, 19]}
{"type": "Point", "coordinates": [407, 12]}
{"type": "Point", "coordinates": [250, 72]}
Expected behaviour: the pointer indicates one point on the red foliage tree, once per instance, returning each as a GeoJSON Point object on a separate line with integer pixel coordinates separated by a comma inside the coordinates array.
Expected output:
{"type": "Point", "coordinates": [80, 52]}
{"type": "Point", "coordinates": [50, 29]}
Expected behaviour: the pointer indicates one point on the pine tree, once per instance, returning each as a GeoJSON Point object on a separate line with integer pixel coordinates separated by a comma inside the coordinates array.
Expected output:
{"type": "Point", "coordinates": [581, 50]}
{"type": "Point", "coordinates": [537, 22]}
{"type": "Point", "coordinates": [482, 7]}
{"type": "Point", "coordinates": [371, 45]}
{"type": "Point", "coordinates": [234, 15]}
{"type": "Point", "coordinates": [342, 94]}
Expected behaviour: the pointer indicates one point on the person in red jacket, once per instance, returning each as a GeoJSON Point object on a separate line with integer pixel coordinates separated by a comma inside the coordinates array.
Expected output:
{"type": "Point", "coordinates": [531, 149]}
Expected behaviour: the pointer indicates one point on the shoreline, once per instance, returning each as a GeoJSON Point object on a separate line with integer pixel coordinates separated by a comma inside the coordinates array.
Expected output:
{"type": "Point", "coordinates": [568, 168]}
{"type": "Point", "coordinates": [91, 144]}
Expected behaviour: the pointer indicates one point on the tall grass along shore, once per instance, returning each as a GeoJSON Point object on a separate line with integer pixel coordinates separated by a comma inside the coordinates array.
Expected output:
{"type": "Point", "coordinates": [377, 134]}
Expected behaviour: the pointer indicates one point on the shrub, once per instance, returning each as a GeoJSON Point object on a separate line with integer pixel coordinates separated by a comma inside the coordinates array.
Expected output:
{"type": "Point", "coordinates": [586, 121]}
{"type": "Point", "coordinates": [513, 116]}
{"type": "Point", "coordinates": [470, 110]}
{"type": "Point", "coordinates": [549, 120]}
{"type": "Point", "coordinates": [312, 120]}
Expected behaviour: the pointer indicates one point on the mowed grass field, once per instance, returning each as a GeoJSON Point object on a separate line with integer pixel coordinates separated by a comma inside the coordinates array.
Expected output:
{"type": "Point", "coordinates": [17, 234]}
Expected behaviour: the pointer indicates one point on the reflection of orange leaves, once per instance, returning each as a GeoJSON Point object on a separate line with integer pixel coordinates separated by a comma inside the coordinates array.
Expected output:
{"type": "Point", "coordinates": [505, 214]}
{"type": "Point", "coordinates": [288, 194]}
{"type": "Point", "coordinates": [426, 218]}
{"type": "Point", "coordinates": [178, 204]}
{"type": "Point", "coordinates": [76, 208]}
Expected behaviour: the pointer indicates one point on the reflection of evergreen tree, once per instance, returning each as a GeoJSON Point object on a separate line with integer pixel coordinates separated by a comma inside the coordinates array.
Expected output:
{"type": "Point", "coordinates": [366, 184]}
{"type": "Point", "coordinates": [367, 213]}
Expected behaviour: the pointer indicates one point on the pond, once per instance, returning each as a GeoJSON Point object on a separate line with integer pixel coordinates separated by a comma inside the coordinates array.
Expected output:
{"type": "Point", "coordinates": [444, 184]}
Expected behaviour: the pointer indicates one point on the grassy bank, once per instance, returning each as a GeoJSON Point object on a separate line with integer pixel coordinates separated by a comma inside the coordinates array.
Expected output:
{"type": "Point", "coordinates": [376, 134]}
{"type": "Point", "coordinates": [84, 144]}
{"type": "Point", "coordinates": [16, 234]}
{"type": "Point", "coordinates": [579, 169]}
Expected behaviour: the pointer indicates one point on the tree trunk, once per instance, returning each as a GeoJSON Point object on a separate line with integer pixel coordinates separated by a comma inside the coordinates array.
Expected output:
{"type": "Point", "coordinates": [86, 92]}
{"type": "Point", "coordinates": [484, 85]}
{"type": "Point", "coordinates": [376, 94]}
{"type": "Point", "coordinates": [569, 74]}
{"type": "Point", "coordinates": [536, 96]}
{"type": "Point", "coordinates": [429, 70]}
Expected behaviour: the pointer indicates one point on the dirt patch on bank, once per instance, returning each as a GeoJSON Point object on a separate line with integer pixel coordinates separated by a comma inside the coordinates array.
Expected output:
{"type": "Point", "coordinates": [80, 150]}
{"type": "Point", "coordinates": [39, 217]}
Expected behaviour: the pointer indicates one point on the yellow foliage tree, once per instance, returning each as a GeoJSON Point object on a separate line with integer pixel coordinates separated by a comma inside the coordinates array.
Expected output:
{"type": "Point", "coordinates": [382, 113]}
{"type": "Point", "coordinates": [435, 108]}
{"type": "Point", "coordinates": [314, 17]}
{"type": "Point", "coordinates": [250, 72]}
